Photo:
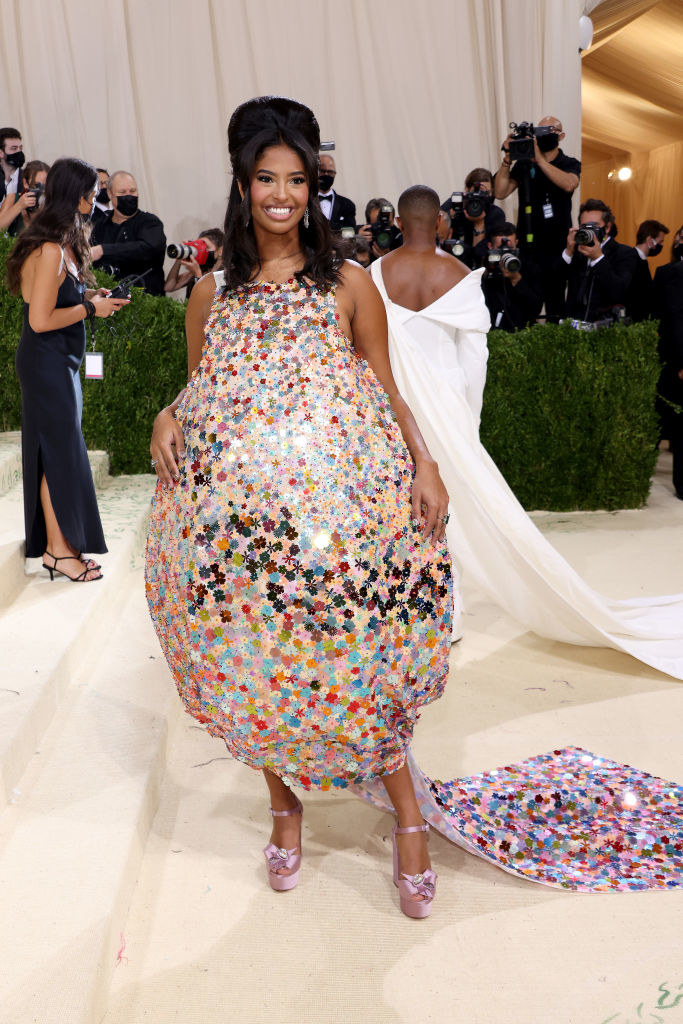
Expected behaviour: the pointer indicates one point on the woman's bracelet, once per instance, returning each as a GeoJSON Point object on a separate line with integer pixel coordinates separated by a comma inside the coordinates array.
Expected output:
{"type": "Point", "coordinates": [89, 309]}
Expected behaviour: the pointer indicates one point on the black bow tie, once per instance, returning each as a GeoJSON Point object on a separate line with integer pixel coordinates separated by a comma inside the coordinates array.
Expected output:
{"type": "Point", "coordinates": [328, 196]}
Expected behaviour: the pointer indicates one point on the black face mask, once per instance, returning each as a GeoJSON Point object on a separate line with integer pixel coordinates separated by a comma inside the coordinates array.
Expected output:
{"type": "Point", "coordinates": [127, 205]}
{"type": "Point", "coordinates": [210, 260]}
{"type": "Point", "coordinates": [548, 142]}
{"type": "Point", "coordinates": [325, 182]}
{"type": "Point", "coordinates": [677, 251]}
{"type": "Point", "coordinates": [102, 197]}
{"type": "Point", "coordinates": [656, 249]}
{"type": "Point", "coordinates": [15, 159]}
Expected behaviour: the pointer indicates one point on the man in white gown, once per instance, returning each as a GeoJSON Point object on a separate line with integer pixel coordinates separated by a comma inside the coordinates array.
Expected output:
{"type": "Point", "coordinates": [437, 343]}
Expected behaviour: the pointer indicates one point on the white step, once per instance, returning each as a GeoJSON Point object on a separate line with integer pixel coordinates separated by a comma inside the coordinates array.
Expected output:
{"type": "Point", "coordinates": [13, 565]}
{"type": "Point", "coordinates": [72, 842]}
{"type": "Point", "coordinates": [10, 460]}
{"type": "Point", "coordinates": [51, 629]}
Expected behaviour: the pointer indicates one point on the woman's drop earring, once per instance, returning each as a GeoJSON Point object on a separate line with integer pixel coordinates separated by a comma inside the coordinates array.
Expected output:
{"type": "Point", "coordinates": [306, 218]}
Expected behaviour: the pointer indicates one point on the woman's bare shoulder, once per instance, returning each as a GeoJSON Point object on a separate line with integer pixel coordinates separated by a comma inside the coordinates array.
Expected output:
{"type": "Point", "coordinates": [49, 253]}
{"type": "Point", "coordinates": [200, 301]}
{"type": "Point", "coordinates": [355, 280]}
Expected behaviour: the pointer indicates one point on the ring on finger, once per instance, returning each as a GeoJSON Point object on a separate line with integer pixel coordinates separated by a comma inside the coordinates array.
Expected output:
{"type": "Point", "coordinates": [153, 462]}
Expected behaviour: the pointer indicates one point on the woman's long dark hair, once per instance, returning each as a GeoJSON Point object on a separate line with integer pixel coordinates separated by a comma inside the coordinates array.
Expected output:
{"type": "Point", "coordinates": [255, 126]}
{"type": "Point", "coordinates": [58, 220]}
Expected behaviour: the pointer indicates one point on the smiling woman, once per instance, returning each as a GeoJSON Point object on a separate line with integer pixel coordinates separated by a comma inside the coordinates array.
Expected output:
{"type": "Point", "coordinates": [296, 569]}
{"type": "Point", "coordinates": [284, 195]}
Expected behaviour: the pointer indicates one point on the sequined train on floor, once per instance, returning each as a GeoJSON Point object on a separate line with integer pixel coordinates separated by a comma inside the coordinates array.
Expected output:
{"type": "Point", "coordinates": [568, 819]}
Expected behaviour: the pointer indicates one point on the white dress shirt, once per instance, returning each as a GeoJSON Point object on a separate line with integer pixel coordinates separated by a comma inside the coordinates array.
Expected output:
{"type": "Point", "coordinates": [12, 185]}
{"type": "Point", "coordinates": [326, 202]}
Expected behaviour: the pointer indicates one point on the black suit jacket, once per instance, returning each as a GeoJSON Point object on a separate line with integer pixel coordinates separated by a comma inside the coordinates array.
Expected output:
{"type": "Point", "coordinates": [343, 213]}
{"type": "Point", "coordinates": [639, 299]}
{"type": "Point", "coordinates": [133, 247]}
{"type": "Point", "coordinates": [593, 291]}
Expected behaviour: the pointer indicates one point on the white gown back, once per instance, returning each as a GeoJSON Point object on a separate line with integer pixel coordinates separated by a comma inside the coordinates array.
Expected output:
{"type": "Point", "coordinates": [438, 357]}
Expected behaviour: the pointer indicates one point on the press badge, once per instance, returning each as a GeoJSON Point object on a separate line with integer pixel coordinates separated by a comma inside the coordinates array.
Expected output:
{"type": "Point", "coordinates": [94, 366]}
{"type": "Point", "coordinates": [548, 210]}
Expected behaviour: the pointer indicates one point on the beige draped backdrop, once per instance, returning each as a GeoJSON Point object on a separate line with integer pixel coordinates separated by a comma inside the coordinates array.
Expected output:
{"type": "Point", "coordinates": [409, 91]}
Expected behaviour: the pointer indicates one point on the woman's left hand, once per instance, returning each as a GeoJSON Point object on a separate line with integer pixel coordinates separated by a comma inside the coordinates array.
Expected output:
{"type": "Point", "coordinates": [430, 500]}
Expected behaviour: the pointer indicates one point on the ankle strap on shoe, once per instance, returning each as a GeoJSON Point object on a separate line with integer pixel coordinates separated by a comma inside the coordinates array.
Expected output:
{"type": "Point", "coordinates": [285, 814]}
{"type": "Point", "coordinates": [411, 828]}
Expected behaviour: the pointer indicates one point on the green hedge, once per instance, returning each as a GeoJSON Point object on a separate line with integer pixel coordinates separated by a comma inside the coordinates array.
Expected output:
{"type": "Point", "coordinates": [569, 417]}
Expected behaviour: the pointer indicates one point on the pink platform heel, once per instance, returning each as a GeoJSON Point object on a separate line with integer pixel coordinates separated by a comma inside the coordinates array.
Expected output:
{"type": "Point", "coordinates": [409, 886]}
{"type": "Point", "coordinates": [277, 857]}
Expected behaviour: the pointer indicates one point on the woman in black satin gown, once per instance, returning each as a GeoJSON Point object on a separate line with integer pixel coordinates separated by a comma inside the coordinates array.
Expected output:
{"type": "Point", "coordinates": [50, 263]}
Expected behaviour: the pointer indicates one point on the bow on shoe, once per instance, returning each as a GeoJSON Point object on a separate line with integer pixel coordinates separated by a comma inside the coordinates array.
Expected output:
{"type": "Point", "coordinates": [422, 885]}
{"type": "Point", "coordinates": [277, 857]}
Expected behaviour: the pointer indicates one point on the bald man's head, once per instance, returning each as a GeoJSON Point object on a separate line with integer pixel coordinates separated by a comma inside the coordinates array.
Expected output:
{"type": "Point", "coordinates": [123, 183]}
{"type": "Point", "coordinates": [418, 207]}
{"type": "Point", "coordinates": [549, 142]}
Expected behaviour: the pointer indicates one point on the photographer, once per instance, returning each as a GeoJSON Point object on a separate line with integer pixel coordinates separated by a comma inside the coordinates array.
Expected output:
{"type": "Point", "coordinates": [512, 286]}
{"type": "Point", "coordinates": [649, 243]}
{"type": "Point", "coordinates": [18, 208]}
{"type": "Point", "coordinates": [546, 178]}
{"type": "Point", "coordinates": [194, 271]}
{"type": "Point", "coordinates": [472, 217]}
{"type": "Point", "coordinates": [103, 204]}
{"type": "Point", "coordinates": [12, 159]}
{"type": "Point", "coordinates": [597, 269]}
{"type": "Point", "coordinates": [128, 240]}
{"type": "Point", "coordinates": [380, 230]}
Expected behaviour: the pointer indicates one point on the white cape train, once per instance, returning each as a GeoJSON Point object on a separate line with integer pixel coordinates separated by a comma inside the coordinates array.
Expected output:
{"type": "Point", "coordinates": [438, 357]}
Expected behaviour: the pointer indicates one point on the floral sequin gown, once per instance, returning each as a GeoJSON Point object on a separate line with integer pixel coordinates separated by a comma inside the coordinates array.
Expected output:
{"type": "Point", "coordinates": [303, 617]}
{"type": "Point", "coordinates": [306, 623]}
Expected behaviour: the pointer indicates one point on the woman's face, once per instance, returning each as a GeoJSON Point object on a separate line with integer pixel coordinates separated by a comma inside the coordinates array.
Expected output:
{"type": "Point", "coordinates": [39, 178]}
{"type": "Point", "coordinates": [279, 190]}
{"type": "Point", "coordinates": [86, 203]}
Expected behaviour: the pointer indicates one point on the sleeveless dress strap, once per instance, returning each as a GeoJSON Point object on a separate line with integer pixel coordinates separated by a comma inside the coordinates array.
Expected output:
{"type": "Point", "coordinates": [219, 278]}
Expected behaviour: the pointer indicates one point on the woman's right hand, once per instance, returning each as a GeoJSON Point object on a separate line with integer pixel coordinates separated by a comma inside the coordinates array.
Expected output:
{"type": "Point", "coordinates": [166, 447]}
{"type": "Point", "coordinates": [27, 200]}
{"type": "Point", "coordinates": [106, 306]}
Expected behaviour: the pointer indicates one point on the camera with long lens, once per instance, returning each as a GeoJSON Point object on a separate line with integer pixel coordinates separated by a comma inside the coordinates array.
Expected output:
{"type": "Point", "coordinates": [456, 243]}
{"type": "Point", "coordinates": [384, 233]}
{"type": "Point", "coordinates": [589, 234]}
{"type": "Point", "coordinates": [477, 203]}
{"type": "Point", "coordinates": [197, 249]}
{"type": "Point", "coordinates": [521, 145]}
{"type": "Point", "coordinates": [506, 257]}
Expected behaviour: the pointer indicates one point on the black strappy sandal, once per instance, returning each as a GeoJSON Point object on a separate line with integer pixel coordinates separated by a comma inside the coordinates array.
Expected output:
{"type": "Point", "coordinates": [85, 561]}
{"type": "Point", "coordinates": [52, 569]}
